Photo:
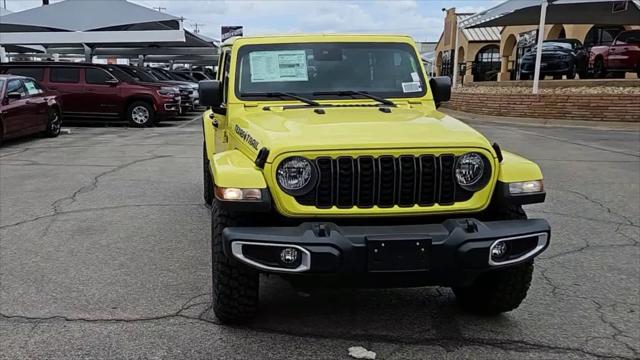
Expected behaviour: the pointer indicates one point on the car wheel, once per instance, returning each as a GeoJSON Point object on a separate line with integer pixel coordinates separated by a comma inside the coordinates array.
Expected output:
{"type": "Point", "coordinates": [207, 179]}
{"type": "Point", "coordinates": [54, 124]}
{"type": "Point", "coordinates": [496, 291]}
{"type": "Point", "coordinates": [599, 70]}
{"type": "Point", "coordinates": [141, 114]}
{"type": "Point", "coordinates": [572, 73]}
{"type": "Point", "coordinates": [235, 286]}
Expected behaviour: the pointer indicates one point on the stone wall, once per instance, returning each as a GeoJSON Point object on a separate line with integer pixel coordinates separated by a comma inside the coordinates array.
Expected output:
{"type": "Point", "coordinates": [596, 107]}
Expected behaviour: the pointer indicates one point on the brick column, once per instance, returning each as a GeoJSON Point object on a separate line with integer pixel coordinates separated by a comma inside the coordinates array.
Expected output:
{"type": "Point", "coordinates": [468, 76]}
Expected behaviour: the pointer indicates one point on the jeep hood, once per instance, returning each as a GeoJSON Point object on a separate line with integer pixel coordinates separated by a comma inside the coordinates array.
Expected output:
{"type": "Point", "coordinates": [350, 128]}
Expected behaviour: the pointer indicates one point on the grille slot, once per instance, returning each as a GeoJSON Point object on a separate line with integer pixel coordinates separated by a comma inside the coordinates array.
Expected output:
{"type": "Point", "coordinates": [385, 181]}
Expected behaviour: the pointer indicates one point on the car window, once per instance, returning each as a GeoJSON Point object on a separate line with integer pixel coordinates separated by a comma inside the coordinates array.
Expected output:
{"type": "Point", "coordinates": [199, 76]}
{"type": "Point", "coordinates": [16, 85]}
{"type": "Point", "coordinates": [32, 87]}
{"type": "Point", "coordinates": [64, 75]}
{"type": "Point", "coordinates": [32, 72]}
{"type": "Point", "coordinates": [631, 37]}
{"type": "Point", "coordinates": [97, 76]}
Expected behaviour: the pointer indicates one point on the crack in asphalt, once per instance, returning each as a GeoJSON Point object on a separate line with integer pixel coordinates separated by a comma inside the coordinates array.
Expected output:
{"type": "Point", "coordinates": [446, 342]}
{"type": "Point", "coordinates": [533, 211]}
{"type": "Point", "coordinates": [16, 152]}
{"type": "Point", "coordinates": [617, 331]}
{"type": "Point", "coordinates": [115, 207]}
{"type": "Point", "coordinates": [600, 204]}
{"type": "Point", "coordinates": [36, 163]}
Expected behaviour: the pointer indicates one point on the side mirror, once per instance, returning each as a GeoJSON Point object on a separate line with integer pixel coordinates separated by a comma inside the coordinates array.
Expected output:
{"type": "Point", "coordinates": [441, 89]}
{"type": "Point", "coordinates": [14, 96]}
{"type": "Point", "coordinates": [210, 93]}
{"type": "Point", "coordinates": [112, 82]}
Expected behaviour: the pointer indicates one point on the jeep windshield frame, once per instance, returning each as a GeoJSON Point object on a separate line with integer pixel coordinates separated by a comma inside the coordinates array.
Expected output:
{"type": "Point", "coordinates": [329, 70]}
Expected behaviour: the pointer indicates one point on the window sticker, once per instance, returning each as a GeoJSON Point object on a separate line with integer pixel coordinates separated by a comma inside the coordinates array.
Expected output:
{"type": "Point", "coordinates": [414, 76]}
{"type": "Point", "coordinates": [278, 66]}
{"type": "Point", "coordinates": [413, 86]}
{"type": "Point", "coordinates": [31, 88]}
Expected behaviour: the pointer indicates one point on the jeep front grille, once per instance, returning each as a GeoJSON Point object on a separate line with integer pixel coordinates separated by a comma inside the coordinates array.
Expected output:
{"type": "Point", "coordinates": [385, 181]}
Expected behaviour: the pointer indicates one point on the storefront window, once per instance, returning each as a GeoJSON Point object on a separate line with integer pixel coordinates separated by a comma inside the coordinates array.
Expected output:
{"type": "Point", "coordinates": [487, 64]}
{"type": "Point", "coordinates": [446, 68]}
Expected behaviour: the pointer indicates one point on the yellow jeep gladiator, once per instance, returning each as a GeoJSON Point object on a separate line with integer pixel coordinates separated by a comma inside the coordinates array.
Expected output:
{"type": "Point", "coordinates": [327, 162]}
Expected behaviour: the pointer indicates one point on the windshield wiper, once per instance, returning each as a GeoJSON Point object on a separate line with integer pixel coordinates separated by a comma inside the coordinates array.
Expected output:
{"type": "Point", "coordinates": [282, 95]}
{"type": "Point", "coordinates": [354, 92]}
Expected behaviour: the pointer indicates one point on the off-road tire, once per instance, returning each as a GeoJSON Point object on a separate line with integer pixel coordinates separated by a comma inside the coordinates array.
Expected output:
{"type": "Point", "coordinates": [133, 118]}
{"type": "Point", "coordinates": [235, 286]}
{"type": "Point", "coordinates": [54, 123]}
{"type": "Point", "coordinates": [499, 290]}
{"type": "Point", "coordinates": [207, 179]}
{"type": "Point", "coordinates": [496, 291]}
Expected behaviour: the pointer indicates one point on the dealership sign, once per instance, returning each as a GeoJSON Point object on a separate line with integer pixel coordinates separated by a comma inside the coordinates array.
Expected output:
{"type": "Point", "coordinates": [230, 31]}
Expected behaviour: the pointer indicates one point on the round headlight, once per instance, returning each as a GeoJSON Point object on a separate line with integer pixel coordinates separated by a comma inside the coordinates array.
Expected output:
{"type": "Point", "coordinates": [296, 175]}
{"type": "Point", "coordinates": [470, 169]}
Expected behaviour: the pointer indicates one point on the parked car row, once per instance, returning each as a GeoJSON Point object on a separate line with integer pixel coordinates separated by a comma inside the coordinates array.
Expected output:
{"type": "Point", "coordinates": [568, 57]}
{"type": "Point", "coordinates": [35, 95]}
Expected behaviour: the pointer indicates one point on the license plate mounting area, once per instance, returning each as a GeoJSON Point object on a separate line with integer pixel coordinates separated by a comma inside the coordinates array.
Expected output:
{"type": "Point", "coordinates": [398, 253]}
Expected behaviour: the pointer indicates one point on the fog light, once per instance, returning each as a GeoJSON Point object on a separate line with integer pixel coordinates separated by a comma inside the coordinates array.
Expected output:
{"type": "Point", "coordinates": [499, 250]}
{"type": "Point", "coordinates": [289, 255]}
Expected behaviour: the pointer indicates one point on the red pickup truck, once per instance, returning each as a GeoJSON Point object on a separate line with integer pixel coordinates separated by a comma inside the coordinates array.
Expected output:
{"type": "Point", "coordinates": [622, 56]}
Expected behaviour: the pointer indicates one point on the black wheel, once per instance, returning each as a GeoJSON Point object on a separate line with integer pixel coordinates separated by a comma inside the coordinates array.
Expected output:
{"type": "Point", "coordinates": [557, 77]}
{"type": "Point", "coordinates": [599, 70]}
{"type": "Point", "coordinates": [54, 124]}
{"type": "Point", "coordinates": [572, 73]}
{"type": "Point", "coordinates": [496, 291]}
{"type": "Point", "coordinates": [207, 179]}
{"type": "Point", "coordinates": [141, 114]}
{"type": "Point", "coordinates": [235, 286]}
{"type": "Point", "coordinates": [499, 290]}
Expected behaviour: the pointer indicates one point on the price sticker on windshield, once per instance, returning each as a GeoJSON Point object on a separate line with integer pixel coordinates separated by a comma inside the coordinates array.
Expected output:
{"type": "Point", "coordinates": [278, 66]}
{"type": "Point", "coordinates": [409, 87]}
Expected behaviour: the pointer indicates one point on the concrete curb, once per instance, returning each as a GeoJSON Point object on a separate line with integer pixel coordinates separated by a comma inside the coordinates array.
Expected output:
{"type": "Point", "coordinates": [598, 125]}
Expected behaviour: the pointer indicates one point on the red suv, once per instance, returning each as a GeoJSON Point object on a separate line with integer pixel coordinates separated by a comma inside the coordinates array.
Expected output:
{"type": "Point", "coordinates": [101, 91]}
{"type": "Point", "coordinates": [623, 55]}
{"type": "Point", "coordinates": [26, 108]}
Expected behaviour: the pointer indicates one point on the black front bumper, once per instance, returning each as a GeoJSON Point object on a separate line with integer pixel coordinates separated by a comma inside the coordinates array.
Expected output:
{"type": "Point", "coordinates": [451, 253]}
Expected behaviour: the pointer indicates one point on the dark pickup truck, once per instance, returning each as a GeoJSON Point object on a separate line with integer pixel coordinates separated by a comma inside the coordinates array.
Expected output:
{"type": "Point", "coordinates": [622, 56]}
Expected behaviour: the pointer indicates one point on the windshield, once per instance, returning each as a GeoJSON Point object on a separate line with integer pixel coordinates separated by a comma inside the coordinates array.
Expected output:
{"type": "Point", "coordinates": [382, 69]}
{"type": "Point", "coordinates": [140, 75]}
{"type": "Point", "coordinates": [159, 74]}
{"type": "Point", "coordinates": [555, 45]}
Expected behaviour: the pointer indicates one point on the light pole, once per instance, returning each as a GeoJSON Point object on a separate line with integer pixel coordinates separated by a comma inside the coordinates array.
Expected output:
{"type": "Point", "coordinates": [536, 73]}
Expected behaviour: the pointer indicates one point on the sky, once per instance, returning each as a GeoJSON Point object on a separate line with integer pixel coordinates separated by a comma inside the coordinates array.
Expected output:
{"type": "Point", "coordinates": [422, 19]}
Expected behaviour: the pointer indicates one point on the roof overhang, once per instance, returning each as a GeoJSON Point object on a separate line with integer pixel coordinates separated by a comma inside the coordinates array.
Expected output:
{"type": "Point", "coordinates": [91, 37]}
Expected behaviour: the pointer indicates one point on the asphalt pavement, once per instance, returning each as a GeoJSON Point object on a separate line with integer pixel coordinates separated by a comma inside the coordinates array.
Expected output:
{"type": "Point", "coordinates": [104, 253]}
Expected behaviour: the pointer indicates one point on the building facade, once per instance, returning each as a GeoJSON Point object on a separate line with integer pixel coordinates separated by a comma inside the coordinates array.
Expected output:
{"type": "Point", "coordinates": [494, 53]}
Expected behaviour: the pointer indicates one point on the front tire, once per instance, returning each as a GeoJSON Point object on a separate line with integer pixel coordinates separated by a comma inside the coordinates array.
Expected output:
{"type": "Point", "coordinates": [141, 114]}
{"type": "Point", "coordinates": [500, 290]}
{"type": "Point", "coordinates": [497, 291]}
{"type": "Point", "coordinates": [572, 73]}
{"type": "Point", "coordinates": [599, 71]}
{"type": "Point", "coordinates": [54, 123]}
{"type": "Point", "coordinates": [235, 286]}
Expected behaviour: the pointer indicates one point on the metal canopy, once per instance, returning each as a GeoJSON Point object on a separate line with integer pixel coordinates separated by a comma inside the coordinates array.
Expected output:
{"type": "Point", "coordinates": [74, 22]}
{"type": "Point", "coordinates": [527, 12]}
